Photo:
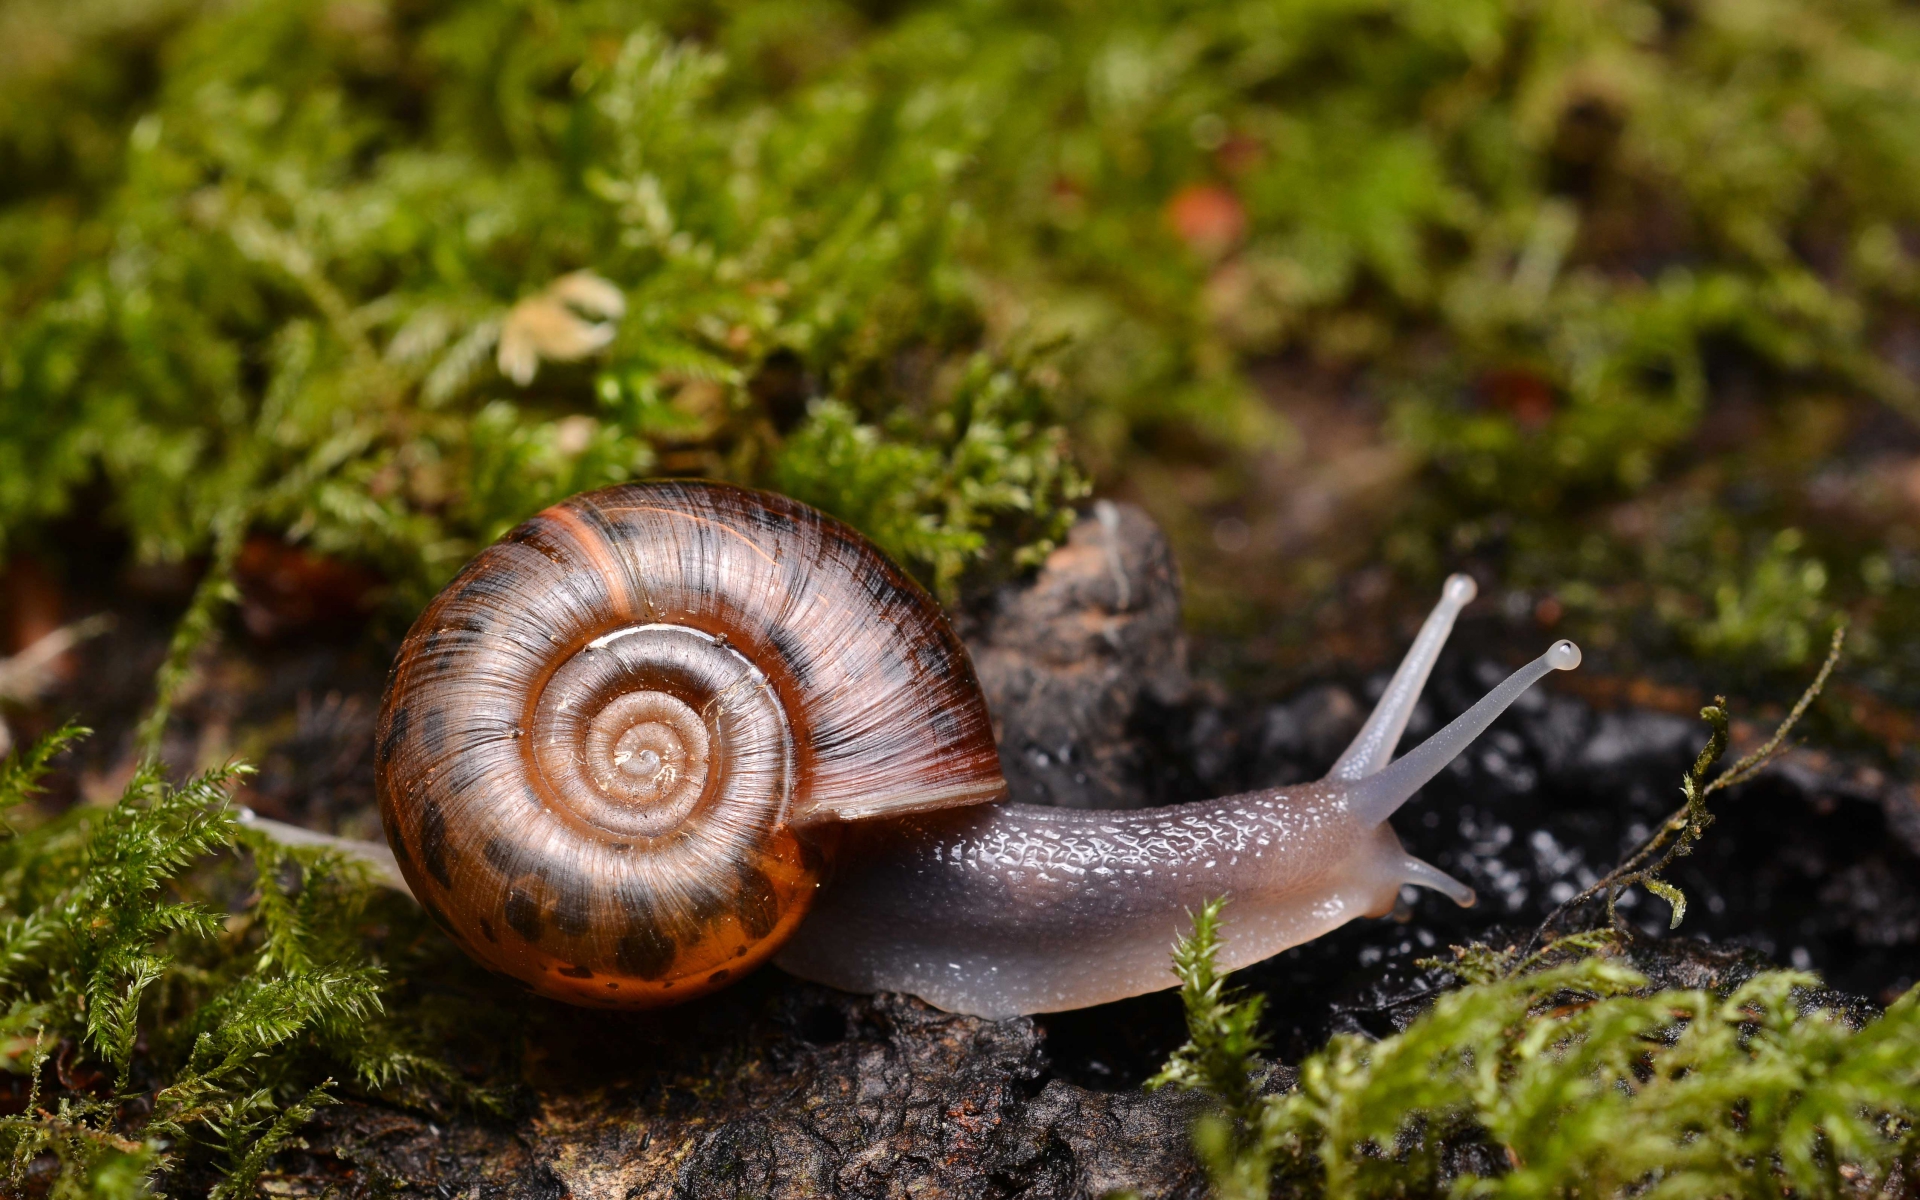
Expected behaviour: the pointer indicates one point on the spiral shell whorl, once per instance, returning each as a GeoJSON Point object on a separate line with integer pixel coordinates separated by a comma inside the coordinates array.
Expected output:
{"type": "Point", "coordinates": [609, 747]}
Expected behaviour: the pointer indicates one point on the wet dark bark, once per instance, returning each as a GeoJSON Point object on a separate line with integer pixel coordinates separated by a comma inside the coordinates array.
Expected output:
{"type": "Point", "coordinates": [816, 1093]}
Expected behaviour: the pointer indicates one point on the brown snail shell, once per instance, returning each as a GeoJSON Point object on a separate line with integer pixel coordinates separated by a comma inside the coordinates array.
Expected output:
{"type": "Point", "coordinates": [613, 750]}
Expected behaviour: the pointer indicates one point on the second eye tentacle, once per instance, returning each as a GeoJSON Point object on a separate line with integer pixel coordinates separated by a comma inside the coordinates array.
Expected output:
{"type": "Point", "coordinates": [1375, 798]}
{"type": "Point", "coordinates": [1373, 747]}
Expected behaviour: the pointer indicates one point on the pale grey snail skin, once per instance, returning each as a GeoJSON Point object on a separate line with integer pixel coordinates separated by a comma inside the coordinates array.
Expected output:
{"type": "Point", "coordinates": [926, 885]}
{"type": "Point", "coordinates": [1007, 909]}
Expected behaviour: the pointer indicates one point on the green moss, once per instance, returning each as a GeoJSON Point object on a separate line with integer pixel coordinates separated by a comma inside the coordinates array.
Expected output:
{"type": "Point", "coordinates": [273, 251]}
{"type": "Point", "coordinates": [1584, 1080]}
{"type": "Point", "coordinates": [934, 496]}
{"type": "Point", "coordinates": [301, 284]}
{"type": "Point", "coordinates": [187, 1023]}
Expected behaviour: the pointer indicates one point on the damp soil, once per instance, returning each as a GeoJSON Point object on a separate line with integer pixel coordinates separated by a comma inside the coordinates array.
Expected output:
{"type": "Point", "coordinates": [777, 1087]}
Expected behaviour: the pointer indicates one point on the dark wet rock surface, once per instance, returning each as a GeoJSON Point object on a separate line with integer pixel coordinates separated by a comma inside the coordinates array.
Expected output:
{"type": "Point", "coordinates": [780, 1088]}
{"type": "Point", "coordinates": [1074, 662]}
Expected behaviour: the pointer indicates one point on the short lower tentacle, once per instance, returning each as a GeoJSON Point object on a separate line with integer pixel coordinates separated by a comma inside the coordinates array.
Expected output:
{"type": "Point", "coordinates": [1424, 874]}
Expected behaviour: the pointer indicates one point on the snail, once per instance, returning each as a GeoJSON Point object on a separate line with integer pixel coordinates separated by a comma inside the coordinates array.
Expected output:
{"type": "Point", "coordinates": [662, 733]}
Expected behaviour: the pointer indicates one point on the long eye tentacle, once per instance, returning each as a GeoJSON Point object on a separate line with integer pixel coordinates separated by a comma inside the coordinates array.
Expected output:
{"type": "Point", "coordinates": [1374, 798]}
{"type": "Point", "coordinates": [1373, 748]}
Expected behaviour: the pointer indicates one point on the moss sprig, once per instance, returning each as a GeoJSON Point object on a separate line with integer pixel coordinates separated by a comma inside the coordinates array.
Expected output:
{"type": "Point", "coordinates": [1682, 830]}
{"type": "Point", "coordinates": [1584, 1082]}
{"type": "Point", "coordinates": [187, 1027]}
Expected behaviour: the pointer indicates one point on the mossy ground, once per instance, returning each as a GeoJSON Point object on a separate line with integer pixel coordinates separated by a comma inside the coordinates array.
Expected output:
{"type": "Point", "coordinates": [1615, 304]}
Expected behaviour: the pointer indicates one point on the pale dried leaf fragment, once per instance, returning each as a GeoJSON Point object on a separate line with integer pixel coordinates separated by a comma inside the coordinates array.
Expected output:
{"type": "Point", "coordinates": [27, 674]}
{"type": "Point", "coordinates": [554, 324]}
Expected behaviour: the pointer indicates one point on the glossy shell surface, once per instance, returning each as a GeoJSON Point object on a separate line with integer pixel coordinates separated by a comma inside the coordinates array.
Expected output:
{"type": "Point", "coordinates": [614, 751]}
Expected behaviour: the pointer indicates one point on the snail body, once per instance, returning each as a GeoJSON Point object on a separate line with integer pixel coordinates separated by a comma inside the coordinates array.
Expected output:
{"type": "Point", "coordinates": [663, 732]}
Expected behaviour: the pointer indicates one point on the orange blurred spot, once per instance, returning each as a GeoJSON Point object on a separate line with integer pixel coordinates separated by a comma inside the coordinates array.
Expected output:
{"type": "Point", "coordinates": [1067, 199]}
{"type": "Point", "coordinates": [1240, 153]}
{"type": "Point", "coordinates": [33, 603]}
{"type": "Point", "coordinates": [1207, 217]}
{"type": "Point", "coordinates": [284, 588]}
{"type": "Point", "coordinates": [1521, 393]}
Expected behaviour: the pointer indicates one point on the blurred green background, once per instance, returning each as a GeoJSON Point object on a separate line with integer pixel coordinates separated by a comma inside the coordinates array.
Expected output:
{"type": "Point", "coordinates": [1615, 303]}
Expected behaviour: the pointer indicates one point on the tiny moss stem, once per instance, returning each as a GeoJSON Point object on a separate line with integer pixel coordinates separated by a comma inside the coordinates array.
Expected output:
{"type": "Point", "coordinates": [1684, 827]}
{"type": "Point", "coordinates": [196, 625]}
